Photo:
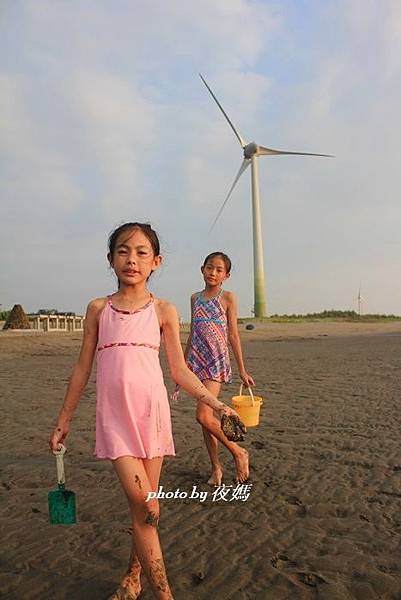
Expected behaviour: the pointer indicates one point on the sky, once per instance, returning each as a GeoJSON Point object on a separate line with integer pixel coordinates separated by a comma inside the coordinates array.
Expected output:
{"type": "Point", "coordinates": [104, 119]}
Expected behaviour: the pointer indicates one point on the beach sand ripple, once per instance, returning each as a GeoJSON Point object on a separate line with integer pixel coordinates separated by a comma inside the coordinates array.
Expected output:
{"type": "Point", "coordinates": [323, 519]}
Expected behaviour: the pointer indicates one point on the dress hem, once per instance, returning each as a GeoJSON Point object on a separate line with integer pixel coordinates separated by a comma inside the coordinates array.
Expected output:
{"type": "Point", "coordinates": [216, 380]}
{"type": "Point", "coordinates": [133, 456]}
{"type": "Point", "coordinates": [213, 379]}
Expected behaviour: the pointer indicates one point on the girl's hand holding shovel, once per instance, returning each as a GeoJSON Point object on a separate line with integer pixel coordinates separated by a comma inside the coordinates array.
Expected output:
{"type": "Point", "coordinates": [58, 436]}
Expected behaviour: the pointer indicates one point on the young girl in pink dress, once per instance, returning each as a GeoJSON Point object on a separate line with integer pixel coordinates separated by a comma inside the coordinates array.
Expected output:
{"type": "Point", "coordinates": [133, 425]}
{"type": "Point", "coordinates": [213, 327]}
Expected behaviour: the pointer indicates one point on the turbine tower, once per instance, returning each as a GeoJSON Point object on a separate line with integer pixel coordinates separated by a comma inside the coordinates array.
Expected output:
{"type": "Point", "coordinates": [360, 300]}
{"type": "Point", "coordinates": [251, 152]}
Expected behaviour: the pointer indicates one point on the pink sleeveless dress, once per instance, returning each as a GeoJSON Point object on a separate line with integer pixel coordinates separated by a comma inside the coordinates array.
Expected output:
{"type": "Point", "coordinates": [132, 407]}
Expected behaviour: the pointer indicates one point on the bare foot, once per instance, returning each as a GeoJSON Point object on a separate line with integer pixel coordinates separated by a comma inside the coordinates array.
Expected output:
{"type": "Point", "coordinates": [216, 476]}
{"type": "Point", "coordinates": [242, 465]}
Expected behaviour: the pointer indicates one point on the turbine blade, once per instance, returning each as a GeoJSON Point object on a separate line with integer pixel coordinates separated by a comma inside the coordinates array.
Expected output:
{"type": "Point", "coordinates": [263, 151]}
{"type": "Point", "coordinates": [245, 163]}
{"type": "Point", "coordinates": [241, 141]}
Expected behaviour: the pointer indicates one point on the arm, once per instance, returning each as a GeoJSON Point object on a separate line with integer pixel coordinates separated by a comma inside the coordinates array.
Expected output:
{"type": "Point", "coordinates": [80, 374]}
{"type": "Point", "coordinates": [178, 368]}
{"type": "Point", "coordinates": [234, 339]}
{"type": "Point", "coordinates": [189, 340]}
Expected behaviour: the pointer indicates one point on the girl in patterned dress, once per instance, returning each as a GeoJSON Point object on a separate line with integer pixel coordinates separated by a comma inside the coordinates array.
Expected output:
{"type": "Point", "coordinates": [133, 424]}
{"type": "Point", "coordinates": [213, 326]}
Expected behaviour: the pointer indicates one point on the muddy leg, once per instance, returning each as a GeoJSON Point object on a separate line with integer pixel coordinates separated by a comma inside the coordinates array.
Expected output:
{"type": "Point", "coordinates": [210, 440]}
{"type": "Point", "coordinates": [135, 481]}
{"type": "Point", "coordinates": [206, 417]}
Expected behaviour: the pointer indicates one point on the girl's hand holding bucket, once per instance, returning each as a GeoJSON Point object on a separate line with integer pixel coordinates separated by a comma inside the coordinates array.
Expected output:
{"type": "Point", "coordinates": [247, 379]}
{"type": "Point", "coordinates": [247, 407]}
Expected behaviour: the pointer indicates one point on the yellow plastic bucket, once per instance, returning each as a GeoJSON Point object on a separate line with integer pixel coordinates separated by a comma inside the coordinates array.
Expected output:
{"type": "Point", "coordinates": [248, 407]}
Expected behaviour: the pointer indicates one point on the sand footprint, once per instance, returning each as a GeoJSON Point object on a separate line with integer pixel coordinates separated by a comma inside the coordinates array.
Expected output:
{"type": "Point", "coordinates": [310, 579]}
{"type": "Point", "coordinates": [198, 577]}
{"type": "Point", "coordinates": [364, 518]}
{"type": "Point", "coordinates": [294, 500]}
{"type": "Point", "coordinates": [199, 574]}
{"type": "Point", "coordinates": [280, 561]}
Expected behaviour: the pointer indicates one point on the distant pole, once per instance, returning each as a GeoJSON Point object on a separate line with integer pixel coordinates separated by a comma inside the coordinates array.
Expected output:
{"type": "Point", "coordinates": [359, 302]}
{"type": "Point", "coordinates": [258, 268]}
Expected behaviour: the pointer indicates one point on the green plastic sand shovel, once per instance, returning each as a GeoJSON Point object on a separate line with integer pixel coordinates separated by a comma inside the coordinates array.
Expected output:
{"type": "Point", "coordinates": [62, 509]}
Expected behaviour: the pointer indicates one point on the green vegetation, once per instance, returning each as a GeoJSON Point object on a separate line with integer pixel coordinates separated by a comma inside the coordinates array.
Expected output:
{"type": "Point", "coordinates": [54, 312]}
{"type": "Point", "coordinates": [4, 315]}
{"type": "Point", "coordinates": [325, 315]}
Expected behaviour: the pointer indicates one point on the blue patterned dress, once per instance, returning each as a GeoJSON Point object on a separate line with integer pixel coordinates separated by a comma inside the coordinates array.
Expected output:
{"type": "Point", "coordinates": [208, 357]}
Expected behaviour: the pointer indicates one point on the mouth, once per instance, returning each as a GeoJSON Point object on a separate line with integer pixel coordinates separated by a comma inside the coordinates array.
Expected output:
{"type": "Point", "coordinates": [130, 272]}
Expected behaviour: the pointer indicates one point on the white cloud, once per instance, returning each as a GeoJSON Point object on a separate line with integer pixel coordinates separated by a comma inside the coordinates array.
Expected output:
{"type": "Point", "coordinates": [35, 174]}
{"type": "Point", "coordinates": [119, 129]}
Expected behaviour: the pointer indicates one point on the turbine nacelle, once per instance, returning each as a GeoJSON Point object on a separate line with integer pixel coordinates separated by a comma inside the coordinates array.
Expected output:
{"type": "Point", "coordinates": [250, 149]}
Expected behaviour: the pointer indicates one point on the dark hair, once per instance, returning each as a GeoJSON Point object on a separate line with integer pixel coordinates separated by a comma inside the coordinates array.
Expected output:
{"type": "Point", "coordinates": [226, 260]}
{"type": "Point", "coordinates": [128, 227]}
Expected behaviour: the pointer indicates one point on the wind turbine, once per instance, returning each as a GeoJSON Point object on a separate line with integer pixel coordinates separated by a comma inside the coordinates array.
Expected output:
{"type": "Point", "coordinates": [360, 300]}
{"type": "Point", "coordinates": [252, 151]}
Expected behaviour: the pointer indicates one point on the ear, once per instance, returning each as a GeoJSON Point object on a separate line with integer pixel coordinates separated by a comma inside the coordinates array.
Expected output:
{"type": "Point", "coordinates": [157, 261]}
{"type": "Point", "coordinates": [202, 268]}
{"type": "Point", "coordinates": [110, 259]}
{"type": "Point", "coordinates": [228, 275]}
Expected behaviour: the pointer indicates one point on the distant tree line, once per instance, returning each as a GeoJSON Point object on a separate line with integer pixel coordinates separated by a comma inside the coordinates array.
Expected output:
{"type": "Point", "coordinates": [344, 315]}
{"type": "Point", "coordinates": [339, 315]}
{"type": "Point", "coordinates": [54, 311]}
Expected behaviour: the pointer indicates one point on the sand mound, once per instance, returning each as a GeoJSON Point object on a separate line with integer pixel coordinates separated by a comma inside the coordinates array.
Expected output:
{"type": "Point", "coordinates": [17, 319]}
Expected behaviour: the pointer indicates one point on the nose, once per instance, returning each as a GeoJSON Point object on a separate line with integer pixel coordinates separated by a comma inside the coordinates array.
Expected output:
{"type": "Point", "coordinates": [131, 259]}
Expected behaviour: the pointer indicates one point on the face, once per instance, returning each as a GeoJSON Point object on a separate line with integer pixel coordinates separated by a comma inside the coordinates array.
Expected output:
{"type": "Point", "coordinates": [214, 271]}
{"type": "Point", "coordinates": [133, 259]}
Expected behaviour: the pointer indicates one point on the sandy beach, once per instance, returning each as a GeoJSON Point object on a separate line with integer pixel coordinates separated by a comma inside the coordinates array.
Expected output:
{"type": "Point", "coordinates": [323, 518]}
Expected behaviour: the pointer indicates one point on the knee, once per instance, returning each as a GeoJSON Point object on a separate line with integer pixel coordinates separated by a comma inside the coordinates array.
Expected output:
{"type": "Point", "coordinates": [146, 513]}
{"type": "Point", "coordinates": [203, 415]}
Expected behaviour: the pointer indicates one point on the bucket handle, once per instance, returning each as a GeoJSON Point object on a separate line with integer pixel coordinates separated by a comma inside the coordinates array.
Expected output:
{"type": "Point", "coordinates": [59, 454]}
{"type": "Point", "coordinates": [250, 392]}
